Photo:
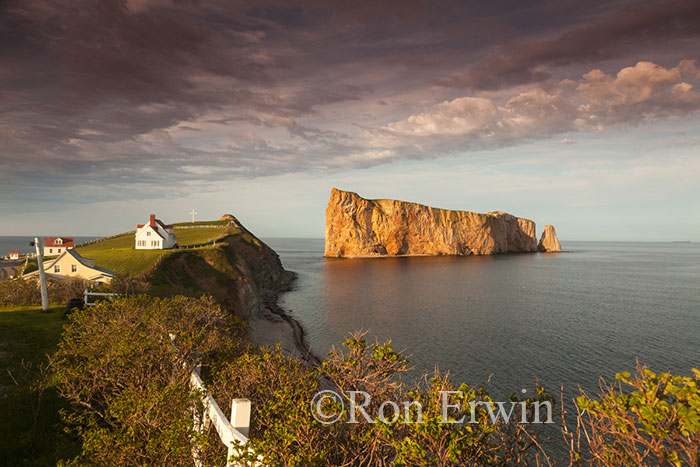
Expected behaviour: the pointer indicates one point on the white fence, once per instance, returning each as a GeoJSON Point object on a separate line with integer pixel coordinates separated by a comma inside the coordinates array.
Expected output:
{"type": "Point", "coordinates": [87, 294]}
{"type": "Point", "coordinates": [230, 431]}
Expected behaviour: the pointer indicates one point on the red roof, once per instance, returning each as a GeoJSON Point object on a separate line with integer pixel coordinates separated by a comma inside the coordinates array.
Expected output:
{"type": "Point", "coordinates": [14, 251]}
{"type": "Point", "coordinates": [65, 242]}
{"type": "Point", "coordinates": [152, 222]}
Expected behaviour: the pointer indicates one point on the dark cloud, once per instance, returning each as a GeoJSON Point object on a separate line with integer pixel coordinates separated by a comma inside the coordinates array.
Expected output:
{"type": "Point", "coordinates": [626, 30]}
{"type": "Point", "coordinates": [148, 93]}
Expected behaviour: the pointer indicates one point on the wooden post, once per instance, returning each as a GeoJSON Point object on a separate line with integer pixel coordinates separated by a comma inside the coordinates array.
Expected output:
{"type": "Point", "coordinates": [240, 415]}
{"type": "Point", "coordinates": [39, 245]}
{"type": "Point", "coordinates": [240, 420]}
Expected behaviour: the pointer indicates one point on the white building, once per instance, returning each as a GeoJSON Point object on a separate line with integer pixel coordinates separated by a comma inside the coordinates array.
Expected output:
{"type": "Point", "coordinates": [54, 246]}
{"type": "Point", "coordinates": [155, 235]}
{"type": "Point", "coordinates": [14, 254]}
{"type": "Point", "coordinates": [71, 264]}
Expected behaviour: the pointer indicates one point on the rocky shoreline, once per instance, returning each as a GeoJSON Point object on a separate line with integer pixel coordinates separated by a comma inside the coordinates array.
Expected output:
{"type": "Point", "coordinates": [276, 327]}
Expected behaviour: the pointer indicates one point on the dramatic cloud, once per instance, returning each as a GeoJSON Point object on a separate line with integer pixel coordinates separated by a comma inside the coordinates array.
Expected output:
{"type": "Point", "coordinates": [643, 93]}
{"type": "Point", "coordinates": [635, 26]}
{"type": "Point", "coordinates": [134, 95]}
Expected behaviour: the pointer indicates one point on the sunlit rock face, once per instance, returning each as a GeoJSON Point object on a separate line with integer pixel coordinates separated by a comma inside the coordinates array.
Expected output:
{"type": "Point", "coordinates": [360, 227]}
{"type": "Point", "coordinates": [549, 240]}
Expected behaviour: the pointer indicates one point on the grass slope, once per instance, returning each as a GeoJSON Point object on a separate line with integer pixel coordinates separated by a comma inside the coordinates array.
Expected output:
{"type": "Point", "coordinates": [29, 432]}
{"type": "Point", "coordinates": [119, 255]}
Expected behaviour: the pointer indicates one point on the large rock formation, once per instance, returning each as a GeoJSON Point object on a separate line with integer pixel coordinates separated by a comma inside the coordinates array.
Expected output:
{"type": "Point", "coordinates": [549, 240]}
{"type": "Point", "coordinates": [359, 227]}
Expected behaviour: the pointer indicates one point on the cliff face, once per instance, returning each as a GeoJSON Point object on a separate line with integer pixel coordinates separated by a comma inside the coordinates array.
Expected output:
{"type": "Point", "coordinates": [549, 240]}
{"type": "Point", "coordinates": [239, 272]}
{"type": "Point", "coordinates": [359, 227]}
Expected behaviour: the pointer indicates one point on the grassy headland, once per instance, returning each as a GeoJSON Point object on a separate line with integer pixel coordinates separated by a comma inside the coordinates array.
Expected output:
{"type": "Point", "coordinates": [119, 255]}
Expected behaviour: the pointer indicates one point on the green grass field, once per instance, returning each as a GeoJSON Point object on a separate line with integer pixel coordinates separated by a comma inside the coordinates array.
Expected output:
{"type": "Point", "coordinates": [119, 255]}
{"type": "Point", "coordinates": [29, 432]}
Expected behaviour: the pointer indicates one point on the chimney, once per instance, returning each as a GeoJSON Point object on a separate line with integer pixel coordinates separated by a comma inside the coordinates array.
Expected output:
{"type": "Point", "coordinates": [153, 220]}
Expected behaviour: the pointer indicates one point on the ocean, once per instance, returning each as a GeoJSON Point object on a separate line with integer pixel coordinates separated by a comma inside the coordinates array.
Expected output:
{"type": "Point", "coordinates": [561, 318]}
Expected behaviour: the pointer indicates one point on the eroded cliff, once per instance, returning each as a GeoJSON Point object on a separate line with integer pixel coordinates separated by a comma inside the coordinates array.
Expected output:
{"type": "Point", "coordinates": [239, 271]}
{"type": "Point", "coordinates": [360, 227]}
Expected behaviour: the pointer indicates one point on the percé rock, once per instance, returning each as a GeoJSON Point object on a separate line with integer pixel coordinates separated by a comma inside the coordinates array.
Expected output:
{"type": "Point", "coordinates": [549, 240]}
{"type": "Point", "coordinates": [358, 227]}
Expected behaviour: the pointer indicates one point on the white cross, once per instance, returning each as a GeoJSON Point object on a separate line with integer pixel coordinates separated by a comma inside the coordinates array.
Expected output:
{"type": "Point", "coordinates": [193, 214]}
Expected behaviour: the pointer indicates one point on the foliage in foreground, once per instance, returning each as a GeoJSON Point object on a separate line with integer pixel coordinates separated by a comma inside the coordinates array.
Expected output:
{"type": "Point", "coordinates": [132, 403]}
{"type": "Point", "coordinates": [125, 367]}
{"type": "Point", "coordinates": [286, 433]}
{"type": "Point", "coordinates": [656, 421]}
{"type": "Point", "coordinates": [26, 292]}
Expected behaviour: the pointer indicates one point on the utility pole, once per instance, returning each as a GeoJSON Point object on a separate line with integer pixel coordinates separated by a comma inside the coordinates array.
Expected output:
{"type": "Point", "coordinates": [39, 244]}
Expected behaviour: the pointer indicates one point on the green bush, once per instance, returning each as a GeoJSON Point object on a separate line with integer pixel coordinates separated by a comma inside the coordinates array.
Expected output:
{"type": "Point", "coordinates": [650, 419]}
{"type": "Point", "coordinates": [285, 433]}
{"type": "Point", "coordinates": [26, 292]}
{"type": "Point", "coordinates": [128, 384]}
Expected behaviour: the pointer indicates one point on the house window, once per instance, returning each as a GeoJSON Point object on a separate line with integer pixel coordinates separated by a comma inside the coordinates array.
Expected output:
{"type": "Point", "coordinates": [59, 241]}
{"type": "Point", "coordinates": [57, 268]}
{"type": "Point", "coordinates": [50, 250]}
{"type": "Point", "coordinates": [73, 268]}
{"type": "Point", "coordinates": [58, 250]}
{"type": "Point", "coordinates": [148, 234]}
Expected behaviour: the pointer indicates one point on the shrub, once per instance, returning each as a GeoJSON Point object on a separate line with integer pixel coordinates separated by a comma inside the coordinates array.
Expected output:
{"type": "Point", "coordinates": [654, 419]}
{"type": "Point", "coordinates": [26, 292]}
{"type": "Point", "coordinates": [285, 432]}
{"type": "Point", "coordinates": [129, 384]}
{"type": "Point", "coordinates": [19, 292]}
{"type": "Point", "coordinates": [279, 389]}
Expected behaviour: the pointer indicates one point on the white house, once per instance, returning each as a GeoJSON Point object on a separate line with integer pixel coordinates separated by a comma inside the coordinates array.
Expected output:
{"type": "Point", "coordinates": [155, 235]}
{"type": "Point", "coordinates": [14, 254]}
{"type": "Point", "coordinates": [54, 246]}
{"type": "Point", "coordinates": [71, 264]}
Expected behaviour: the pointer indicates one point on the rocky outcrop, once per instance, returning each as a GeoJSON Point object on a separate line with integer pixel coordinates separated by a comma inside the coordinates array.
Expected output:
{"type": "Point", "coordinates": [239, 271]}
{"type": "Point", "coordinates": [549, 240]}
{"type": "Point", "coordinates": [357, 227]}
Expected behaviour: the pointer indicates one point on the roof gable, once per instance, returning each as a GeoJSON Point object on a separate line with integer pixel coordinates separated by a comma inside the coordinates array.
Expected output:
{"type": "Point", "coordinates": [76, 257]}
{"type": "Point", "coordinates": [142, 229]}
{"type": "Point", "coordinates": [58, 242]}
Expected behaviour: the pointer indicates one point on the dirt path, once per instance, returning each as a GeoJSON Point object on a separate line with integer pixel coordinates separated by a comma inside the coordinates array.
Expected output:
{"type": "Point", "coordinates": [8, 268]}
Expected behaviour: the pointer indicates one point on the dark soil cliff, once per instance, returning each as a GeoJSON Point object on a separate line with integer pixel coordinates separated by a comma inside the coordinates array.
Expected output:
{"type": "Point", "coordinates": [239, 271]}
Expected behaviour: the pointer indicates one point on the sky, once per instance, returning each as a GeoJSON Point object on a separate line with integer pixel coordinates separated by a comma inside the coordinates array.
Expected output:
{"type": "Point", "coordinates": [584, 115]}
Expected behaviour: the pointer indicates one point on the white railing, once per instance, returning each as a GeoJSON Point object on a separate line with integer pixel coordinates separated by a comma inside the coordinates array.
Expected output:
{"type": "Point", "coordinates": [231, 431]}
{"type": "Point", "coordinates": [88, 294]}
